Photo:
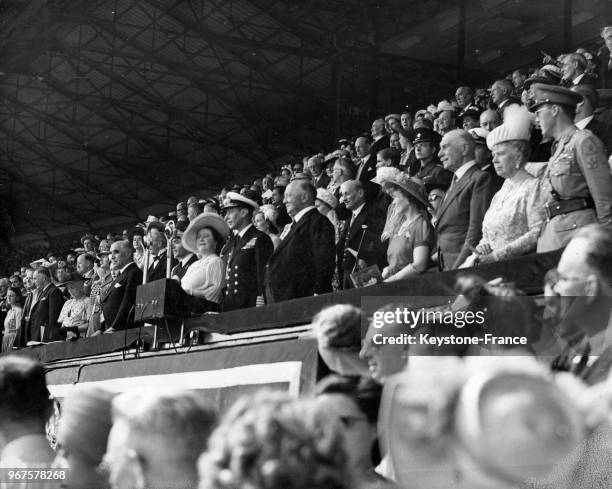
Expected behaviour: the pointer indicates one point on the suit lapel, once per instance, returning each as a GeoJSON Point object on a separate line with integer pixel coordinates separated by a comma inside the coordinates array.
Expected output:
{"type": "Point", "coordinates": [359, 220]}
{"type": "Point", "coordinates": [363, 167]}
{"type": "Point", "coordinates": [294, 227]}
{"type": "Point", "coordinates": [115, 282]}
{"type": "Point", "coordinates": [456, 190]}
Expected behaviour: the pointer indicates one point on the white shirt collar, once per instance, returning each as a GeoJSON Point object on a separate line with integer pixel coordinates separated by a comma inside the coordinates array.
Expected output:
{"type": "Point", "coordinates": [244, 230]}
{"type": "Point", "coordinates": [124, 267]}
{"type": "Point", "coordinates": [300, 214]}
{"type": "Point", "coordinates": [459, 172]}
{"type": "Point", "coordinates": [358, 210]}
{"type": "Point", "coordinates": [582, 123]}
{"type": "Point", "coordinates": [186, 258]}
{"type": "Point", "coordinates": [576, 80]}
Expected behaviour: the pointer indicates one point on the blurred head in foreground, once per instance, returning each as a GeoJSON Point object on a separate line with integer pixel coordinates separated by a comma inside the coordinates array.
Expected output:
{"type": "Point", "coordinates": [338, 332]}
{"type": "Point", "coordinates": [478, 423]}
{"type": "Point", "coordinates": [82, 436]}
{"type": "Point", "coordinates": [25, 407]}
{"type": "Point", "coordinates": [156, 440]}
{"type": "Point", "coordinates": [271, 442]}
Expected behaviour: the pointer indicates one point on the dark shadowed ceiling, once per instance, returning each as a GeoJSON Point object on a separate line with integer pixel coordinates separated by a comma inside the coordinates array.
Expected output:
{"type": "Point", "coordinates": [114, 109]}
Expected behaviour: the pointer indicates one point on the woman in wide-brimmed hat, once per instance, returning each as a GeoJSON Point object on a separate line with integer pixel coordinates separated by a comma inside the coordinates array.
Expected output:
{"type": "Point", "coordinates": [204, 236]}
{"type": "Point", "coordinates": [410, 235]}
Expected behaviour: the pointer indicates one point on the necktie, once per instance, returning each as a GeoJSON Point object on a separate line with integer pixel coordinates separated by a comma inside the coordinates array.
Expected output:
{"type": "Point", "coordinates": [286, 230]}
{"type": "Point", "coordinates": [453, 182]}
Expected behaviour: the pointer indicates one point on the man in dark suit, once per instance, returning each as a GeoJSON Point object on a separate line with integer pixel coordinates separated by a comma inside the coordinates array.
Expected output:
{"type": "Point", "coordinates": [366, 170]}
{"type": "Point", "coordinates": [119, 299]}
{"type": "Point", "coordinates": [359, 245]}
{"type": "Point", "coordinates": [584, 285]}
{"type": "Point", "coordinates": [303, 262]}
{"type": "Point", "coordinates": [605, 59]}
{"type": "Point", "coordinates": [183, 257]}
{"type": "Point", "coordinates": [501, 95]}
{"type": "Point", "coordinates": [85, 268]}
{"type": "Point", "coordinates": [320, 179]}
{"type": "Point", "coordinates": [379, 135]}
{"type": "Point", "coordinates": [574, 71]}
{"type": "Point", "coordinates": [44, 309]}
{"type": "Point", "coordinates": [157, 248]}
{"type": "Point", "coordinates": [245, 254]}
{"type": "Point", "coordinates": [458, 222]}
{"type": "Point", "coordinates": [585, 116]}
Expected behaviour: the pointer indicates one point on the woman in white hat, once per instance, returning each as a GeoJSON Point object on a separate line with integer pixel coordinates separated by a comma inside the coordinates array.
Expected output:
{"type": "Point", "coordinates": [411, 237]}
{"type": "Point", "coordinates": [205, 236]}
{"type": "Point", "coordinates": [512, 223]}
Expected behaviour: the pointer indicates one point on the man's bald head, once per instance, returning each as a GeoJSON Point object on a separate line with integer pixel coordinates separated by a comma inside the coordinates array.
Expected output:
{"type": "Point", "coordinates": [353, 194]}
{"type": "Point", "coordinates": [299, 194]}
{"type": "Point", "coordinates": [121, 253]}
{"type": "Point", "coordinates": [464, 96]}
{"type": "Point", "coordinates": [362, 146]}
{"type": "Point", "coordinates": [378, 128]}
{"type": "Point", "coordinates": [457, 147]}
{"type": "Point", "coordinates": [501, 90]}
{"type": "Point", "coordinates": [490, 119]}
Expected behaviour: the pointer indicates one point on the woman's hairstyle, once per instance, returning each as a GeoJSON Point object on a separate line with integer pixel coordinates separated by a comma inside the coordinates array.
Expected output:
{"type": "Point", "coordinates": [521, 148]}
{"type": "Point", "coordinates": [339, 326]}
{"type": "Point", "coordinates": [269, 441]}
{"type": "Point", "coordinates": [18, 293]}
{"type": "Point", "coordinates": [507, 310]}
{"type": "Point", "coordinates": [364, 391]}
{"type": "Point", "coordinates": [218, 239]}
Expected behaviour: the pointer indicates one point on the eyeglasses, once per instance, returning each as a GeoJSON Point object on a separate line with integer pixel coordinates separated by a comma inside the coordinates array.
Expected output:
{"type": "Point", "coordinates": [433, 198]}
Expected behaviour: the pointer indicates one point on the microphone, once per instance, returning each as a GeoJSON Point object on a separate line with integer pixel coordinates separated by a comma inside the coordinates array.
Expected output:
{"type": "Point", "coordinates": [170, 229]}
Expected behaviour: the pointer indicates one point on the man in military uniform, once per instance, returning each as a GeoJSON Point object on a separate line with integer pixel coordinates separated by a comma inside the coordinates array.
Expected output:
{"type": "Point", "coordinates": [245, 254]}
{"type": "Point", "coordinates": [577, 176]}
{"type": "Point", "coordinates": [430, 171]}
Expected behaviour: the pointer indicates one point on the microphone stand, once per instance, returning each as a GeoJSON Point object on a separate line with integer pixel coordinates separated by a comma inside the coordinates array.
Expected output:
{"type": "Point", "coordinates": [145, 266]}
{"type": "Point", "coordinates": [170, 232]}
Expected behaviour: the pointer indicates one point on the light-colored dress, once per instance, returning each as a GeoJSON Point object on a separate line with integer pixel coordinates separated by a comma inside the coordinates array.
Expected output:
{"type": "Point", "coordinates": [75, 312]}
{"type": "Point", "coordinates": [204, 278]}
{"type": "Point", "coordinates": [410, 234]}
{"type": "Point", "coordinates": [12, 323]}
{"type": "Point", "coordinates": [512, 223]}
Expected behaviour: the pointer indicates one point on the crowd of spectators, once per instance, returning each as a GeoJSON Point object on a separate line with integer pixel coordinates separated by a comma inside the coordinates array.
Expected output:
{"type": "Point", "coordinates": [485, 176]}
{"type": "Point", "coordinates": [515, 399]}
{"type": "Point", "coordinates": [389, 414]}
